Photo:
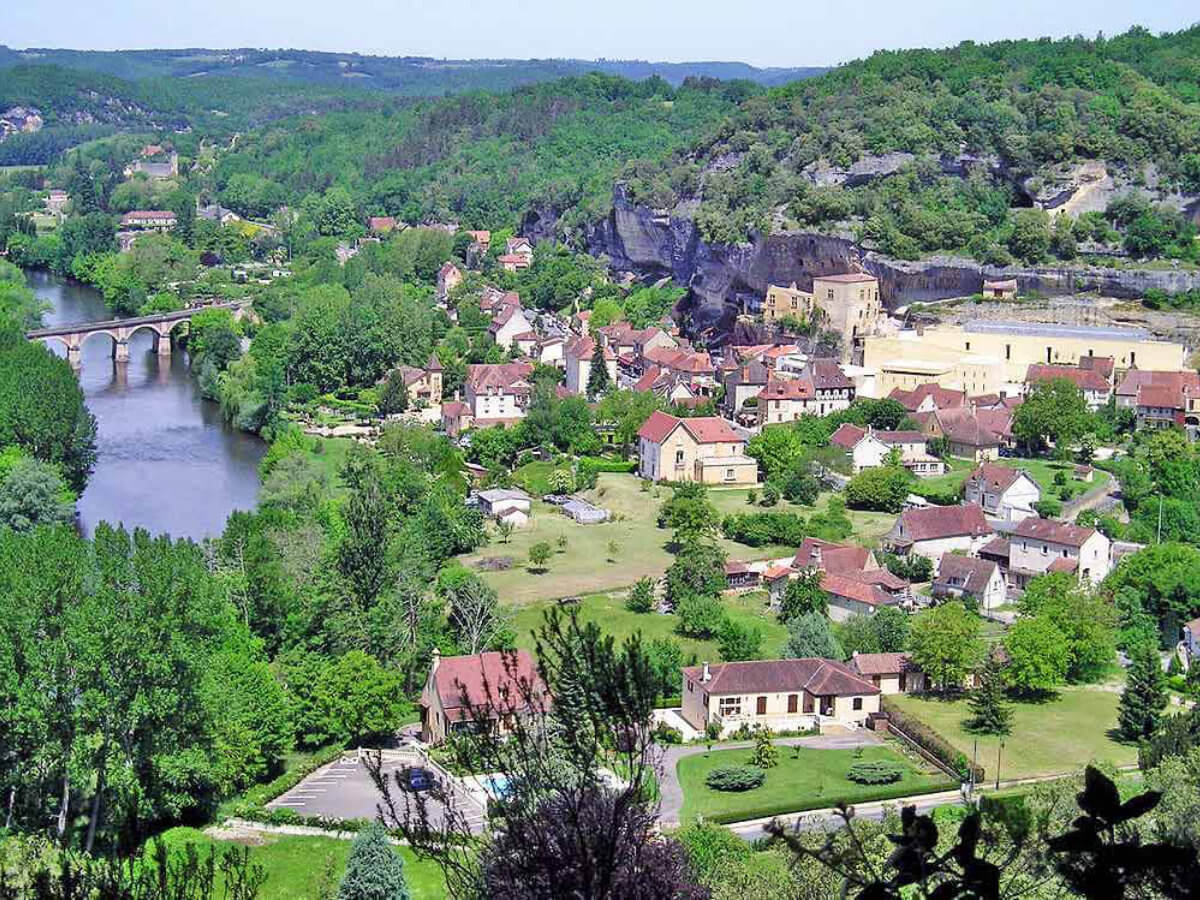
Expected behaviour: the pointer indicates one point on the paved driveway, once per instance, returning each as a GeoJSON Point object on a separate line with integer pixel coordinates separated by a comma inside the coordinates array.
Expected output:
{"type": "Point", "coordinates": [671, 793]}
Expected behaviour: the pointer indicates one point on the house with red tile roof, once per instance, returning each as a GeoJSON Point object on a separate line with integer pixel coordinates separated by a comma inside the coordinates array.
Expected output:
{"type": "Point", "coordinates": [449, 277]}
{"type": "Point", "coordinates": [692, 363]}
{"type": "Point", "coordinates": [1037, 546]}
{"type": "Point", "coordinates": [1004, 492]}
{"type": "Point", "coordinates": [979, 581]}
{"type": "Point", "coordinates": [780, 694]}
{"type": "Point", "coordinates": [855, 583]}
{"type": "Point", "coordinates": [704, 449]}
{"type": "Point", "coordinates": [928, 397]}
{"type": "Point", "coordinates": [508, 321]}
{"type": "Point", "coordinates": [931, 531]}
{"type": "Point", "coordinates": [869, 449]}
{"type": "Point", "coordinates": [1159, 398]}
{"type": "Point", "coordinates": [481, 240]}
{"type": "Point", "coordinates": [580, 353]}
{"type": "Point", "coordinates": [970, 434]}
{"type": "Point", "coordinates": [379, 225]}
{"type": "Point", "coordinates": [163, 219]}
{"type": "Point", "coordinates": [462, 691]}
{"type": "Point", "coordinates": [1094, 386]}
{"type": "Point", "coordinates": [498, 393]}
{"type": "Point", "coordinates": [892, 673]}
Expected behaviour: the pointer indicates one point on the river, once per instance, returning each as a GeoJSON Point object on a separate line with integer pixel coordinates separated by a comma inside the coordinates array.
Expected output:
{"type": "Point", "coordinates": [167, 461]}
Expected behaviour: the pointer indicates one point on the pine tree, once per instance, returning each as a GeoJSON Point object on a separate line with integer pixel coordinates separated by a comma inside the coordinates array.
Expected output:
{"type": "Point", "coordinates": [990, 714]}
{"type": "Point", "coordinates": [374, 870]}
{"type": "Point", "coordinates": [598, 383]}
{"type": "Point", "coordinates": [1145, 694]}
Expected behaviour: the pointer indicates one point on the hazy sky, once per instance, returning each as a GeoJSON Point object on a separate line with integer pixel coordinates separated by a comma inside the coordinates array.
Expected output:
{"type": "Point", "coordinates": [762, 32]}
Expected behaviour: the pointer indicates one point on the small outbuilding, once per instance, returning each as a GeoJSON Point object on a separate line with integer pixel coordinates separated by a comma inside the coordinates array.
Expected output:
{"type": "Point", "coordinates": [583, 512]}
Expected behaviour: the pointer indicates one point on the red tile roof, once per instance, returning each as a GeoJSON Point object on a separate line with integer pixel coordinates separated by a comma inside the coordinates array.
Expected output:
{"type": "Point", "coordinates": [820, 677]}
{"type": "Point", "coordinates": [853, 589]}
{"type": "Point", "coordinates": [1137, 378]}
{"type": "Point", "coordinates": [943, 398]}
{"type": "Point", "coordinates": [827, 375]}
{"type": "Point", "coordinates": [839, 558]}
{"type": "Point", "coordinates": [1084, 379]}
{"type": "Point", "coordinates": [788, 389]}
{"type": "Point", "coordinates": [869, 664]}
{"type": "Point", "coordinates": [505, 376]}
{"type": "Point", "coordinates": [994, 477]}
{"type": "Point", "coordinates": [933, 522]}
{"type": "Point", "coordinates": [847, 436]}
{"type": "Point", "coordinates": [901, 437]}
{"type": "Point", "coordinates": [657, 426]}
{"type": "Point", "coordinates": [982, 428]}
{"type": "Point", "coordinates": [498, 679]}
{"type": "Point", "coordinates": [964, 572]}
{"type": "Point", "coordinates": [711, 430]}
{"type": "Point", "coordinates": [1063, 564]}
{"type": "Point", "coordinates": [1160, 395]}
{"type": "Point", "coordinates": [1102, 364]}
{"type": "Point", "coordinates": [1052, 531]}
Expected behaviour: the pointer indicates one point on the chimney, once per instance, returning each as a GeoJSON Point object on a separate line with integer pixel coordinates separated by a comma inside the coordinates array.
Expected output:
{"type": "Point", "coordinates": [437, 658]}
{"type": "Point", "coordinates": [705, 676]}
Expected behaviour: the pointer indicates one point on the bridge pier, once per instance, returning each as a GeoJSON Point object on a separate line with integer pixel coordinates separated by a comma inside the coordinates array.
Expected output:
{"type": "Point", "coordinates": [74, 358]}
{"type": "Point", "coordinates": [121, 351]}
{"type": "Point", "coordinates": [162, 344]}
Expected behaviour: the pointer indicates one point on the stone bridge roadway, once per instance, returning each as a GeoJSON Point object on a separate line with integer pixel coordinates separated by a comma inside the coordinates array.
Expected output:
{"type": "Point", "coordinates": [121, 330]}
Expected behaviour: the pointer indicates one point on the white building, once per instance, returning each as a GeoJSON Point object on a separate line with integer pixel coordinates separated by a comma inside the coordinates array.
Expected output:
{"type": "Point", "coordinates": [1038, 546]}
{"type": "Point", "coordinates": [1003, 492]}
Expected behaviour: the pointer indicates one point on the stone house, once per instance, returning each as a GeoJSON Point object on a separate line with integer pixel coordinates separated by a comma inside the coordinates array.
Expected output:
{"type": "Point", "coordinates": [851, 306]}
{"type": "Point", "coordinates": [869, 449]}
{"type": "Point", "coordinates": [703, 449]}
{"type": "Point", "coordinates": [932, 531]}
{"type": "Point", "coordinates": [162, 219]}
{"type": "Point", "coordinates": [448, 278]}
{"type": "Point", "coordinates": [928, 397]}
{"type": "Point", "coordinates": [508, 322]}
{"type": "Point", "coordinates": [1002, 491]}
{"type": "Point", "coordinates": [422, 385]}
{"type": "Point", "coordinates": [1094, 386]}
{"type": "Point", "coordinates": [462, 690]}
{"type": "Point", "coordinates": [892, 673]}
{"type": "Point", "coordinates": [498, 393]}
{"type": "Point", "coordinates": [1005, 289]}
{"type": "Point", "coordinates": [960, 577]}
{"type": "Point", "coordinates": [506, 505]}
{"type": "Point", "coordinates": [1037, 546]}
{"type": "Point", "coordinates": [742, 383]}
{"type": "Point", "coordinates": [970, 434]}
{"type": "Point", "coordinates": [780, 694]}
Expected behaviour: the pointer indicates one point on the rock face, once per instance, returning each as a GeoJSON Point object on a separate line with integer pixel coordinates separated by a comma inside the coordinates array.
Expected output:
{"type": "Point", "coordinates": [652, 244]}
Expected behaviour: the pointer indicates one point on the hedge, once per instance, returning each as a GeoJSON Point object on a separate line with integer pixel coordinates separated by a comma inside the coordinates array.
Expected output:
{"type": "Point", "coordinates": [735, 778]}
{"type": "Point", "coordinates": [931, 741]}
{"type": "Point", "coordinates": [781, 807]}
{"type": "Point", "coordinates": [875, 771]}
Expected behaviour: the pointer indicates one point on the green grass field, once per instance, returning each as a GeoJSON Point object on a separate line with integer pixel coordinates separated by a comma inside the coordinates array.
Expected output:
{"type": "Point", "coordinates": [803, 779]}
{"type": "Point", "coordinates": [585, 567]}
{"type": "Point", "coordinates": [610, 613]}
{"type": "Point", "coordinates": [1041, 470]}
{"type": "Point", "coordinates": [1059, 736]}
{"type": "Point", "coordinates": [295, 865]}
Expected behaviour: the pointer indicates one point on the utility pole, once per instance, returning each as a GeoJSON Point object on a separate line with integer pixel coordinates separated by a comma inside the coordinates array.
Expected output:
{"type": "Point", "coordinates": [998, 752]}
{"type": "Point", "coordinates": [1159, 539]}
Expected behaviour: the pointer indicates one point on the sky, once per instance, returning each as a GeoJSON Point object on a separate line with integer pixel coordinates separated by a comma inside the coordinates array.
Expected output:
{"type": "Point", "coordinates": [760, 32]}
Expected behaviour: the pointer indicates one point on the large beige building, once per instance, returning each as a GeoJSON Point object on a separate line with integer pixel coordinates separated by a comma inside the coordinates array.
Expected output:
{"type": "Point", "coordinates": [850, 304]}
{"type": "Point", "coordinates": [703, 449]}
{"type": "Point", "coordinates": [992, 357]}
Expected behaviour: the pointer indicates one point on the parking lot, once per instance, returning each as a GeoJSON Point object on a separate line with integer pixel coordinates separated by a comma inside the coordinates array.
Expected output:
{"type": "Point", "coordinates": [343, 789]}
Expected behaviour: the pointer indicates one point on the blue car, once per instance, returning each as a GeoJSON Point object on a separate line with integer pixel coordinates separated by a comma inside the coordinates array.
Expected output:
{"type": "Point", "coordinates": [414, 778]}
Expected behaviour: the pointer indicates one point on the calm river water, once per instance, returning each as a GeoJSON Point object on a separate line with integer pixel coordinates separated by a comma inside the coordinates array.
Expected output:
{"type": "Point", "coordinates": [167, 461]}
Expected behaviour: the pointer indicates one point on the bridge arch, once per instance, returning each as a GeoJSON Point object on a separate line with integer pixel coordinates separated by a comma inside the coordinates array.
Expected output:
{"type": "Point", "coordinates": [85, 336]}
{"type": "Point", "coordinates": [60, 339]}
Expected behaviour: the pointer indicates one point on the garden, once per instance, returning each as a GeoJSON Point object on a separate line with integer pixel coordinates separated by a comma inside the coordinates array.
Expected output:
{"type": "Point", "coordinates": [802, 778]}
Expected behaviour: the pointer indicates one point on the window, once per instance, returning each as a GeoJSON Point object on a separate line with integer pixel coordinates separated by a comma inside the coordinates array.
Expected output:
{"type": "Point", "coordinates": [968, 345]}
{"type": "Point", "coordinates": [730, 706]}
{"type": "Point", "coordinates": [729, 474]}
{"type": "Point", "coordinates": [760, 708]}
{"type": "Point", "coordinates": [678, 457]}
{"type": "Point", "coordinates": [857, 703]}
{"type": "Point", "coordinates": [1132, 358]}
{"type": "Point", "coordinates": [689, 686]}
{"type": "Point", "coordinates": [793, 703]}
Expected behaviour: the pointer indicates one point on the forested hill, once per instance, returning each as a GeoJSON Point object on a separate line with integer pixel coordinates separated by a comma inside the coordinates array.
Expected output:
{"type": "Point", "coordinates": [412, 76]}
{"type": "Point", "coordinates": [1000, 124]}
{"type": "Point", "coordinates": [481, 160]}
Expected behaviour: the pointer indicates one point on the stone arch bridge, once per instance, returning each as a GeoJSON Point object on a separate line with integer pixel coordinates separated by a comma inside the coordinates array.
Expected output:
{"type": "Point", "coordinates": [121, 330]}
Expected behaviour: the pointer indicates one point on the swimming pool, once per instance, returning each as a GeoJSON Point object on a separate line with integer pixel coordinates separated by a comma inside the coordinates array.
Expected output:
{"type": "Point", "coordinates": [497, 786]}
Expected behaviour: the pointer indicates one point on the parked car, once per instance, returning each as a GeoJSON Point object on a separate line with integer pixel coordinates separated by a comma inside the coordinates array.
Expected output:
{"type": "Point", "coordinates": [416, 778]}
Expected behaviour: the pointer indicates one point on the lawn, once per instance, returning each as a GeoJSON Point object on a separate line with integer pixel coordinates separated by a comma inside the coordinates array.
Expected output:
{"type": "Point", "coordinates": [1059, 736]}
{"type": "Point", "coordinates": [1041, 470]}
{"type": "Point", "coordinates": [295, 865]}
{"type": "Point", "coordinates": [585, 566]}
{"type": "Point", "coordinates": [803, 779]}
{"type": "Point", "coordinates": [610, 613]}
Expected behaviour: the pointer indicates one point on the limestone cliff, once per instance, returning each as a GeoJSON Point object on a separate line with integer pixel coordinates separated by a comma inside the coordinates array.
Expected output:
{"type": "Point", "coordinates": [653, 243]}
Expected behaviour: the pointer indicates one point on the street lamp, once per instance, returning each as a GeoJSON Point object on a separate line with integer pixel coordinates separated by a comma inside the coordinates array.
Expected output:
{"type": "Point", "coordinates": [998, 752]}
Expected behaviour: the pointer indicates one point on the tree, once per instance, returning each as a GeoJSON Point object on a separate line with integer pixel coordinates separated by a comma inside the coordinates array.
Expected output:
{"type": "Point", "coordinates": [990, 714]}
{"type": "Point", "coordinates": [539, 555]}
{"type": "Point", "coordinates": [1145, 694]}
{"type": "Point", "coordinates": [810, 634]}
{"type": "Point", "coordinates": [504, 528]}
{"type": "Point", "coordinates": [42, 410]}
{"type": "Point", "coordinates": [666, 659]}
{"type": "Point", "coordinates": [1087, 620]}
{"type": "Point", "coordinates": [475, 613]}
{"type": "Point", "coordinates": [699, 615]}
{"type": "Point", "coordinates": [1030, 237]}
{"type": "Point", "coordinates": [945, 642]}
{"type": "Point", "coordinates": [766, 754]}
{"type": "Point", "coordinates": [1037, 655]}
{"type": "Point", "coordinates": [1054, 411]}
{"type": "Point", "coordinates": [374, 870]}
{"type": "Point", "coordinates": [776, 447]}
{"type": "Point", "coordinates": [32, 494]}
{"type": "Point", "coordinates": [738, 640]}
{"type": "Point", "coordinates": [803, 595]}
{"type": "Point", "coordinates": [641, 596]}
{"type": "Point", "coordinates": [599, 381]}
{"type": "Point", "coordinates": [883, 488]}
{"type": "Point", "coordinates": [698, 570]}
{"type": "Point", "coordinates": [362, 555]}
{"type": "Point", "coordinates": [394, 396]}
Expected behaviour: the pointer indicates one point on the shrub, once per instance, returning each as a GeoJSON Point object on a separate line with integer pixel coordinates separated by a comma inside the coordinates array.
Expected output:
{"type": "Point", "coordinates": [760, 529]}
{"type": "Point", "coordinates": [878, 771]}
{"type": "Point", "coordinates": [641, 596]}
{"type": "Point", "coordinates": [735, 778]}
{"type": "Point", "coordinates": [930, 741]}
{"type": "Point", "coordinates": [665, 734]}
{"type": "Point", "coordinates": [700, 616]}
{"type": "Point", "coordinates": [1048, 508]}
